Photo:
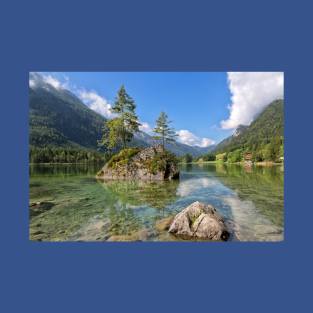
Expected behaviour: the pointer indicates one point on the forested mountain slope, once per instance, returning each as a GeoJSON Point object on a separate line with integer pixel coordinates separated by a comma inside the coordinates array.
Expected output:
{"type": "Point", "coordinates": [265, 132]}
{"type": "Point", "coordinates": [58, 118]}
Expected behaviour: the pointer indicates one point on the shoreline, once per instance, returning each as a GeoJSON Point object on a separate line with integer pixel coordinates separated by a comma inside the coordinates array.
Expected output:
{"type": "Point", "coordinates": [263, 163]}
{"type": "Point", "coordinates": [71, 163]}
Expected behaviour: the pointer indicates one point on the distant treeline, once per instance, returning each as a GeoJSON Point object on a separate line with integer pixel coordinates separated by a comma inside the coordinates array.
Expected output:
{"type": "Point", "coordinates": [271, 150]}
{"type": "Point", "coordinates": [64, 155]}
{"type": "Point", "coordinates": [268, 151]}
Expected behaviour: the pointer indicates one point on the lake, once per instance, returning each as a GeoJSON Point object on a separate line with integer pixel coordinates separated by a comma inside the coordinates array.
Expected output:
{"type": "Point", "coordinates": [74, 206]}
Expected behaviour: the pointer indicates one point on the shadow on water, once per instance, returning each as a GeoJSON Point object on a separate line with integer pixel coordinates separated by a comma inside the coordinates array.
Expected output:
{"type": "Point", "coordinates": [63, 170]}
{"type": "Point", "coordinates": [137, 193]}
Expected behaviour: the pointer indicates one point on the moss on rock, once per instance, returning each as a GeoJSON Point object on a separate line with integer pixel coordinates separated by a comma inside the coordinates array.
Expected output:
{"type": "Point", "coordinates": [151, 163]}
{"type": "Point", "coordinates": [160, 161]}
{"type": "Point", "coordinates": [122, 158]}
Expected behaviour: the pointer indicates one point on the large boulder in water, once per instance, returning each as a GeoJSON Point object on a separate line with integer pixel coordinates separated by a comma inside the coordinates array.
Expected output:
{"type": "Point", "coordinates": [147, 164]}
{"type": "Point", "coordinates": [199, 221]}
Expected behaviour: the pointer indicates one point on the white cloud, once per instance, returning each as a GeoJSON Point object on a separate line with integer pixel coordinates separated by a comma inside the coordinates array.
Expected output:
{"type": "Point", "coordinates": [35, 79]}
{"type": "Point", "coordinates": [91, 98]}
{"type": "Point", "coordinates": [251, 93]}
{"type": "Point", "coordinates": [96, 103]}
{"type": "Point", "coordinates": [32, 83]}
{"type": "Point", "coordinates": [188, 138]}
{"type": "Point", "coordinates": [41, 79]}
{"type": "Point", "coordinates": [53, 81]}
{"type": "Point", "coordinates": [205, 142]}
{"type": "Point", "coordinates": [145, 127]}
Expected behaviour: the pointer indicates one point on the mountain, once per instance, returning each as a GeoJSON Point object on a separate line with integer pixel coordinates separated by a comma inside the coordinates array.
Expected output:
{"type": "Point", "coordinates": [239, 130]}
{"type": "Point", "coordinates": [267, 126]}
{"type": "Point", "coordinates": [227, 141]}
{"type": "Point", "coordinates": [142, 139]}
{"type": "Point", "coordinates": [58, 118]}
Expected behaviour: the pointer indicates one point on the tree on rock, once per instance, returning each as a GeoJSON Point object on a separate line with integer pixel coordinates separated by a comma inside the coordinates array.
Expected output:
{"type": "Point", "coordinates": [120, 130]}
{"type": "Point", "coordinates": [112, 135]}
{"type": "Point", "coordinates": [163, 131]}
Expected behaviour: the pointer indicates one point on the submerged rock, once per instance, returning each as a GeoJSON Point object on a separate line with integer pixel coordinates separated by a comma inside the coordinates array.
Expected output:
{"type": "Point", "coordinates": [140, 235]}
{"type": "Point", "coordinates": [164, 223]}
{"type": "Point", "coordinates": [148, 164]}
{"type": "Point", "coordinates": [96, 229]}
{"type": "Point", "coordinates": [40, 207]}
{"type": "Point", "coordinates": [199, 221]}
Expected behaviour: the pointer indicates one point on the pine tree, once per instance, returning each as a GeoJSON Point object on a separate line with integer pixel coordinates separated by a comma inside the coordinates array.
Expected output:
{"type": "Point", "coordinates": [128, 124]}
{"type": "Point", "coordinates": [188, 158]}
{"type": "Point", "coordinates": [120, 130]}
{"type": "Point", "coordinates": [164, 132]}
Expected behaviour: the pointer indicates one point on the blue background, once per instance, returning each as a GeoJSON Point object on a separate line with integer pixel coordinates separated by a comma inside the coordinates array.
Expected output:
{"type": "Point", "coordinates": [155, 36]}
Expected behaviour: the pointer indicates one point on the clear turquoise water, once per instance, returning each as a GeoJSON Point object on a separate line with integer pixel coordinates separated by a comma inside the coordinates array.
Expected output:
{"type": "Point", "coordinates": [85, 209]}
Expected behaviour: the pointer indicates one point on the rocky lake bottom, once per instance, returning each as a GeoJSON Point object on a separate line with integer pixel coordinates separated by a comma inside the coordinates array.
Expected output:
{"type": "Point", "coordinates": [67, 202]}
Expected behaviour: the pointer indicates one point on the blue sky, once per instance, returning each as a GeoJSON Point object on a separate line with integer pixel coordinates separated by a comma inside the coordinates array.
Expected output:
{"type": "Point", "coordinates": [205, 107]}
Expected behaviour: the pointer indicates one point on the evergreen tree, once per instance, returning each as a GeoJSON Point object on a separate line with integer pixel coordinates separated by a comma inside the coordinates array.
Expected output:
{"type": "Point", "coordinates": [209, 157]}
{"type": "Point", "coordinates": [188, 158]}
{"type": "Point", "coordinates": [164, 132]}
{"type": "Point", "coordinates": [116, 134]}
{"type": "Point", "coordinates": [126, 124]}
{"type": "Point", "coordinates": [111, 136]}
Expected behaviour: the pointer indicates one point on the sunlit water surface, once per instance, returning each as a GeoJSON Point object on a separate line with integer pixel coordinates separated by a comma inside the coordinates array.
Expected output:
{"type": "Point", "coordinates": [81, 208]}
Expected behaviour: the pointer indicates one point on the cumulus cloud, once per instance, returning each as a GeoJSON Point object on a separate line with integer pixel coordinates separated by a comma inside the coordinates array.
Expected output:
{"type": "Point", "coordinates": [190, 139]}
{"type": "Point", "coordinates": [96, 103]}
{"type": "Point", "coordinates": [251, 92]}
{"type": "Point", "coordinates": [36, 80]}
{"type": "Point", "coordinates": [53, 81]}
{"type": "Point", "coordinates": [145, 127]}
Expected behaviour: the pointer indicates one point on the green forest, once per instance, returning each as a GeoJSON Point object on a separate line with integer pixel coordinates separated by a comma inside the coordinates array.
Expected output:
{"type": "Point", "coordinates": [263, 138]}
{"type": "Point", "coordinates": [64, 155]}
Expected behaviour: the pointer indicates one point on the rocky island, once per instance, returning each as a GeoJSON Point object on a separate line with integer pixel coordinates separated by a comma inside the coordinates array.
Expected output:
{"type": "Point", "coordinates": [153, 163]}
